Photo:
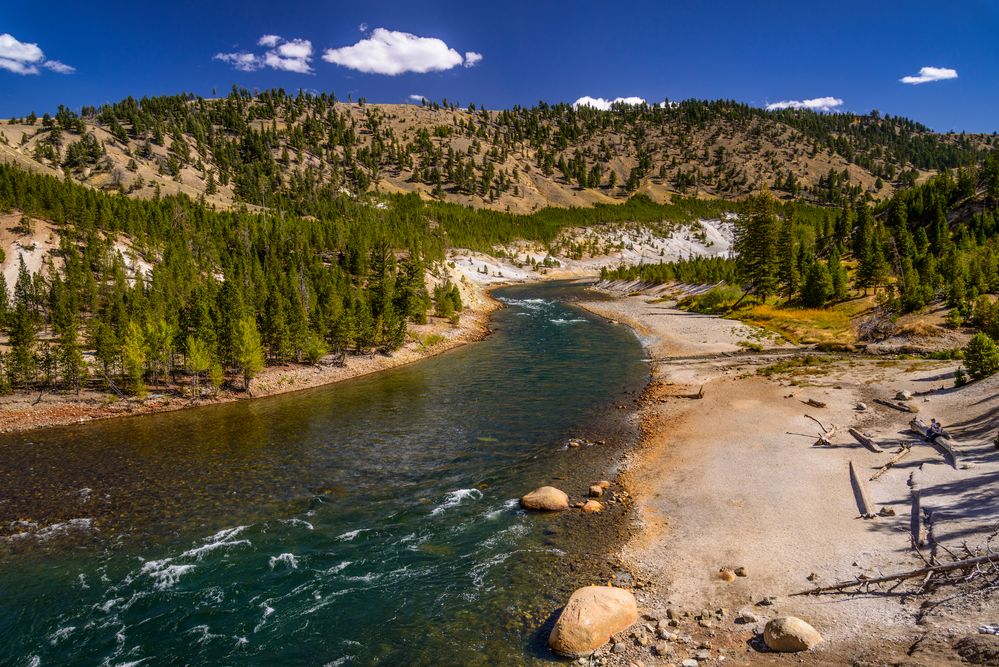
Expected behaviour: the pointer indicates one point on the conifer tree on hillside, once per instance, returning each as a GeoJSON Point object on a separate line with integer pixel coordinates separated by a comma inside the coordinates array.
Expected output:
{"type": "Point", "coordinates": [756, 246]}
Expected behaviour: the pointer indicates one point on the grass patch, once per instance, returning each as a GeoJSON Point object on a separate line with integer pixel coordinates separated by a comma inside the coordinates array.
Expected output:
{"type": "Point", "coordinates": [750, 345]}
{"type": "Point", "coordinates": [832, 325]}
{"type": "Point", "coordinates": [431, 339]}
{"type": "Point", "coordinates": [794, 363]}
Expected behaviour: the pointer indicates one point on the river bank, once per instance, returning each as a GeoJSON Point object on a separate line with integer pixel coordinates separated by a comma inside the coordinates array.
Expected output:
{"type": "Point", "coordinates": [726, 481]}
{"type": "Point", "coordinates": [24, 411]}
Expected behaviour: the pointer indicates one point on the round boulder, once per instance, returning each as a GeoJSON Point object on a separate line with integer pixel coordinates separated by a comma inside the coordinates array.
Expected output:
{"type": "Point", "coordinates": [592, 615]}
{"type": "Point", "coordinates": [547, 498]}
{"type": "Point", "coordinates": [789, 634]}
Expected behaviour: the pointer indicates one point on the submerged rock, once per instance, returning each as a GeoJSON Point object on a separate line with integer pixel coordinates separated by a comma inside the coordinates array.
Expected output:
{"type": "Point", "coordinates": [592, 615]}
{"type": "Point", "coordinates": [789, 634]}
{"type": "Point", "coordinates": [546, 498]}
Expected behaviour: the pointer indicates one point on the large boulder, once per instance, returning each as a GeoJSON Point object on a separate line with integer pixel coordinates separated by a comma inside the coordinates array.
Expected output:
{"type": "Point", "coordinates": [591, 616]}
{"type": "Point", "coordinates": [789, 634]}
{"type": "Point", "coordinates": [547, 498]}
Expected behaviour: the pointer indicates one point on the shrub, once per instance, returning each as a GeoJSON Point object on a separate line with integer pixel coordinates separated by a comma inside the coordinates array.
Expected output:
{"type": "Point", "coordinates": [981, 356]}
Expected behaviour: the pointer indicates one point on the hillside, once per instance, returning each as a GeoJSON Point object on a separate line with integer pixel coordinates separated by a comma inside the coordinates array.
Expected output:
{"type": "Point", "coordinates": [279, 150]}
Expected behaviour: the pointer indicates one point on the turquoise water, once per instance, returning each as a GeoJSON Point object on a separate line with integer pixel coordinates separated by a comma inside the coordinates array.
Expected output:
{"type": "Point", "coordinates": [373, 521]}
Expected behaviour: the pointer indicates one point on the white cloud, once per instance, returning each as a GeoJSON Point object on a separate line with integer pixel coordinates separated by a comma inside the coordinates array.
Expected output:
{"type": "Point", "coordinates": [288, 55]}
{"type": "Point", "coordinates": [25, 58]}
{"type": "Point", "coordinates": [244, 62]}
{"type": "Point", "coordinates": [417, 98]}
{"type": "Point", "coordinates": [815, 104]}
{"type": "Point", "coordinates": [604, 105]}
{"type": "Point", "coordinates": [58, 67]}
{"type": "Point", "coordinates": [363, 27]}
{"type": "Point", "coordinates": [928, 74]}
{"type": "Point", "coordinates": [393, 52]}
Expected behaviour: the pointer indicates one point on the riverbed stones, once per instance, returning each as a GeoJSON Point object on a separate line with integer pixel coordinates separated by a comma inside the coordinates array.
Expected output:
{"type": "Point", "coordinates": [592, 506]}
{"type": "Point", "coordinates": [591, 616]}
{"type": "Point", "coordinates": [596, 491]}
{"type": "Point", "coordinates": [545, 499]}
{"type": "Point", "coordinates": [790, 634]}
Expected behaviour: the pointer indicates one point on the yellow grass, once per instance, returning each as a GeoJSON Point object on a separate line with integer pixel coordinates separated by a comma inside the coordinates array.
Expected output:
{"type": "Point", "coordinates": [808, 325]}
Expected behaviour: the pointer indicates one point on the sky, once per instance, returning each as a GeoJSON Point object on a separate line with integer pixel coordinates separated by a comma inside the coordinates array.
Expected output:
{"type": "Point", "coordinates": [937, 63]}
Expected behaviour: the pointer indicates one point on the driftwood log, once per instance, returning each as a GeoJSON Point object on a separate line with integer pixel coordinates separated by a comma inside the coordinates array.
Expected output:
{"type": "Point", "coordinates": [815, 404]}
{"type": "Point", "coordinates": [944, 444]}
{"type": "Point", "coordinates": [915, 513]}
{"type": "Point", "coordinates": [899, 455]}
{"type": "Point", "coordinates": [860, 494]}
{"type": "Point", "coordinates": [902, 576]}
{"type": "Point", "coordinates": [865, 440]}
{"type": "Point", "coordinates": [902, 407]}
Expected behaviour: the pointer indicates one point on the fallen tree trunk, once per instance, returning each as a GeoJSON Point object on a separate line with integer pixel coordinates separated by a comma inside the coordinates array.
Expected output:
{"type": "Point", "coordinates": [902, 576]}
{"type": "Point", "coordinates": [901, 454]}
{"type": "Point", "coordinates": [865, 440]}
{"type": "Point", "coordinates": [946, 446]}
{"type": "Point", "coordinates": [860, 494]}
{"type": "Point", "coordinates": [902, 407]}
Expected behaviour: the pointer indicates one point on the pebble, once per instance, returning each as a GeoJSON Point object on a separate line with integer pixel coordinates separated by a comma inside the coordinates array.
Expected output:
{"type": "Point", "coordinates": [741, 572]}
{"type": "Point", "coordinates": [689, 662]}
{"type": "Point", "coordinates": [661, 649]}
{"type": "Point", "coordinates": [703, 654]}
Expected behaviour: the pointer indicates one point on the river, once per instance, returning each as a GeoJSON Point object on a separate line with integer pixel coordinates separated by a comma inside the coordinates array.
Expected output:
{"type": "Point", "coordinates": [373, 521]}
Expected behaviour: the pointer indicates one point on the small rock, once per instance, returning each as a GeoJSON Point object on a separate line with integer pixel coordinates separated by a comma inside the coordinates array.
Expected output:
{"type": "Point", "coordinates": [741, 572]}
{"type": "Point", "coordinates": [767, 601]}
{"type": "Point", "coordinates": [789, 634]}
{"type": "Point", "coordinates": [705, 614]}
{"type": "Point", "coordinates": [726, 574]}
{"type": "Point", "coordinates": [903, 396]}
{"type": "Point", "coordinates": [660, 649]}
{"type": "Point", "coordinates": [592, 506]}
{"type": "Point", "coordinates": [671, 613]}
{"type": "Point", "coordinates": [706, 623]}
{"type": "Point", "coordinates": [596, 491]}
{"type": "Point", "coordinates": [703, 654]}
{"type": "Point", "coordinates": [689, 662]}
{"type": "Point", "coordinates": [886, 511]}
{"type": "Point", "coordinates": [643, 640]}
{"type": "Point", "coordinates": [812, 577]}
{"type": "Point", "coordinates": [546, 498]}
{"type": "Point", "coordinates": [860, 407]}
{"type": "Point", "coordinates": [665, 634]}
{"type": "Point", "coordinates": [618, 648]}
{"type": "Point", "coordinates": [746, 617]}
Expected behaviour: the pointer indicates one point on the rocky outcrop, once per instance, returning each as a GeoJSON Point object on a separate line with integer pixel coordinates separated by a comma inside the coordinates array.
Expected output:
{"type": "Point", "coordinates": [789, 634]}
{"type": "Point", "coordinates": [591, 616]}
{"type": "Point", "coordinates": [545, 499]}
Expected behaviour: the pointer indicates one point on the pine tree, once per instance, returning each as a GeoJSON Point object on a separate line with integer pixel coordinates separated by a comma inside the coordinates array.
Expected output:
{"type": "Point", "coordinates": [199, 360]}
{"type": "Point", "coordinates": [248, 350]}
{"type": "Point", "coordinates": [818, 286]}
{"type": "Point", "coordinates": [21, 361]}
{"type": "Point", "coordinates": [756, 234]}
{"type": "Point", "coordinates": [133, 353]}
{"type": "Point", "coordinates": [72, 367]}
{"type": "Point", "coordinates": [837, 274]}
{"type": "Point", "coordinates": [788, 275]}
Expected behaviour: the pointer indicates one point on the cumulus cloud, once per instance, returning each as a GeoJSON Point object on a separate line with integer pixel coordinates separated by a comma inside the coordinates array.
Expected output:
{"type": "Point", "coordinates": [363, 27]}
{"type": "Point", "coordinates": [417, 98]}
{"type": "Point", "coordinates": [604, 105]}
{"type": "Point", "coordinates": [928, 74]}
{"type": "Point", "coordinates": [288, 55]}
{"type": "Point", "coordinates": [815, 104]}
{"type": "Point", "coordinates": [393, 52]}
{"type": "Point", "coordinates": [25, 58]}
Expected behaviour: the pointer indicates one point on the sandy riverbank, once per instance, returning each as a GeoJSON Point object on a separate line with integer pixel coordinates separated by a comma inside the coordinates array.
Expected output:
{"type": "Point", "coordinates": [719, 483]}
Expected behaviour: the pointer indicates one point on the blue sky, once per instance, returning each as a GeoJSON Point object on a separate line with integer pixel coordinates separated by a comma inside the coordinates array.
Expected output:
{"type": "Point", "coordinates": [506, 53]}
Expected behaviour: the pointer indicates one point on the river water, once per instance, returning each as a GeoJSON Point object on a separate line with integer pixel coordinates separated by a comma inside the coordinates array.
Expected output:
{"type": "Point", "coordinates": [370, 522]}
